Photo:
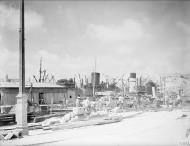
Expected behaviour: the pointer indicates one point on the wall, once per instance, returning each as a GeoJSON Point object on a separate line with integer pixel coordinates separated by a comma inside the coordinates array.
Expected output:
{"type": "Point", "coordinates": [71, 101]}
{"type": "Point", "coordinates": [59, 95]}
{"type": "Point", "coordinates": [8, 96]}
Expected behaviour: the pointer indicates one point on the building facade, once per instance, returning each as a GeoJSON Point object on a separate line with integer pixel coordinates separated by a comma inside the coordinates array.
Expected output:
{"type": "Point", "coordinates": [38, 93]}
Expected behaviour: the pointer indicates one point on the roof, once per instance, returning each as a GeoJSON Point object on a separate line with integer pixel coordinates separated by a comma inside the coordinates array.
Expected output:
{"type": "Point", "coordinates": [28, 84]}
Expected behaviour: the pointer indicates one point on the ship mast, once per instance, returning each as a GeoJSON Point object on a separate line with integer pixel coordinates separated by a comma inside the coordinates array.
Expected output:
{"type": "Point", "coordinates": [93, 89]}
{"type": "Point", "coordinates": [40, 79]}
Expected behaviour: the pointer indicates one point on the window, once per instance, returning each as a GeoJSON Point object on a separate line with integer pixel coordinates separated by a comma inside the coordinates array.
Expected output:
{"type": "Point", "coordinates": [41, 98]}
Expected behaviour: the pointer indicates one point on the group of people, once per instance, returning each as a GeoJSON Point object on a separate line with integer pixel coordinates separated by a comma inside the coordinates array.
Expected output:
{"type": "Point", "coordinates": [83, 103]}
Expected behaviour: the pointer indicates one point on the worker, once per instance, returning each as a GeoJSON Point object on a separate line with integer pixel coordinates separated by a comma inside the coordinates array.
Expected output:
{"type": "Point", "coordinates": [78, 101]}
{"type": "Point", "coordinates": [135, 102]}
{"type": "Point", "coordinates": [86, 105]}
{"type": "Point", "coordinates": [121, 101]}
{"type": "Point", "coordinates": [67, 103]}
{"type": "Point", "coordinates": [179, 102]}
{"type": "Point", "coordinates": [166, 100]}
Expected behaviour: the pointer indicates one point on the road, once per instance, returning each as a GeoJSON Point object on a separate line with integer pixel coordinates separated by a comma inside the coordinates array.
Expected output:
{"type": "Point", "coordinates": [149, 128]}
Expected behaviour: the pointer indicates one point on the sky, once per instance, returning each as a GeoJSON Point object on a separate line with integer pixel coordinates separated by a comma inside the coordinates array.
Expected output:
{"type": "Point", "coordinates": [146, 37]}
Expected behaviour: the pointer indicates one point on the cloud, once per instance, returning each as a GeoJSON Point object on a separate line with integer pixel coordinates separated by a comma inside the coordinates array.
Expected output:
{"type": "Point", "coordinates": [9, 17]}
{"type": "Point", "coordinates": [140, 44]}
{"type": "Point", "coordinates": [184, 26]}
{"type": "Point", "coordinates": [60, 65]}
{"type": "Point", "coordinates": [129, 30]}
{"type": "Point", "coordinates": [9, 20]}
{"type": "Point", "coordinates": [6, 60]}
{"type": "Point", "coordinates": [185, 57]}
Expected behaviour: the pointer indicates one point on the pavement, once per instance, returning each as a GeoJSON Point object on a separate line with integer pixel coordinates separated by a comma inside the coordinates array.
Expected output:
{"type": "Point", "coordinates": [147, 128]}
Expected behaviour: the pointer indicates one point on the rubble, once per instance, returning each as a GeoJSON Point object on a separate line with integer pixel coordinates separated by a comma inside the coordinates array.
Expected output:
{"type": "Point", "coordinates": [51, 121]}
{"type": "Point", "coordinates": [80, 114]}
{"type": "Point", "coordinates": [116, 110]}
{"type": "Point", "coordinates": [185, 142]}
{"type": "Point", "coordinates": [8, 135]}
{"type": "Point", "coordinates": [69, 117]}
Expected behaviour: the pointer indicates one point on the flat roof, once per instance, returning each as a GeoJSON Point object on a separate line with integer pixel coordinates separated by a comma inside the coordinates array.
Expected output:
{"type": "Point", "coordinates": [28, 85]}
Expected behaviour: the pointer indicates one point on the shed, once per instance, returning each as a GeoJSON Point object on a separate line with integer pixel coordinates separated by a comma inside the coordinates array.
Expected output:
{"type": "Point", "coordinates": [39, 93]}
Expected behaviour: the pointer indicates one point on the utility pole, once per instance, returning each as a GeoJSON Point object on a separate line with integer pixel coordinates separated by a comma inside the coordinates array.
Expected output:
{"type": "Point", "coordinates": [21, 106]}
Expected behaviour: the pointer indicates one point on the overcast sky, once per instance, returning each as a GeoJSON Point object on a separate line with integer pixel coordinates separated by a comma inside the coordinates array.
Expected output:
{"type": "Point", "coordinates": [124, 36]}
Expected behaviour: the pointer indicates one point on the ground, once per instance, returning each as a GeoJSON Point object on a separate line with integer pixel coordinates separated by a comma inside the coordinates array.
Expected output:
{"type": "Point", "coordinates": [148, 128]}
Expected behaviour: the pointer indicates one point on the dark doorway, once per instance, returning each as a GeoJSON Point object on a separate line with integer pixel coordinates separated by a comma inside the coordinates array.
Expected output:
{"type": "Point", "coordinates": [41, 98]}
{"type": "Point", "coordinates": [0, 99]}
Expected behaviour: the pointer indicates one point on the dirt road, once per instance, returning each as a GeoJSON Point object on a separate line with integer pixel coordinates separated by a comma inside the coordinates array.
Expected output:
{"type": "Point", "coordinates": [149, 128]}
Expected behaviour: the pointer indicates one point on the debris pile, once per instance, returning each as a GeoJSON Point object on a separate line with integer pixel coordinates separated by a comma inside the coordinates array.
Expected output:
{"type": "Point", "coordinates": [186, 141]}
{"type": "Point", "coordinates": [8, 135]}
{"type": "Point", "coordinates": [70, 117]}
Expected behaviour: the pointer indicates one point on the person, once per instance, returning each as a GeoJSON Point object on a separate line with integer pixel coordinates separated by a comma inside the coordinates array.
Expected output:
{"type": "Point", "coordinates": [166, 100]}
{"type": "Point", "coordinates": [67, 103]}
{"type": "Point", "coordinates": [121, 101]}
{"type": "Point", "coordinates": [86, 104]}
{"type": "Point", "coordinates": [135, 102]}
{"type": "Point", "coordinates": [78, 101]}
{"type": "Point", "coordinates": [179, 102]}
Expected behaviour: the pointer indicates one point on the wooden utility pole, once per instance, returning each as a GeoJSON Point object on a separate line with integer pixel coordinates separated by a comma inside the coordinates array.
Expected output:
{"type": "Point", "coordinates": [21, 106]}
{"type": "Point", "coordinates": [22, 51]}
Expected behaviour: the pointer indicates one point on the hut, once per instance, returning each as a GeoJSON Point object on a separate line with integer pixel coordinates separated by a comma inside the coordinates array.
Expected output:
{"type": "Point", "coordinates": [39, 93]}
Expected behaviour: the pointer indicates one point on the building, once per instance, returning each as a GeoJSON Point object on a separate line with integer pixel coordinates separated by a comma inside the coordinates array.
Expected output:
{"type": "Point", "coordinates": [174, 84]}
{"type": "Point", "coordinates": [95, 78]}
{"type": "Point", "coordinates": [39, 93]}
